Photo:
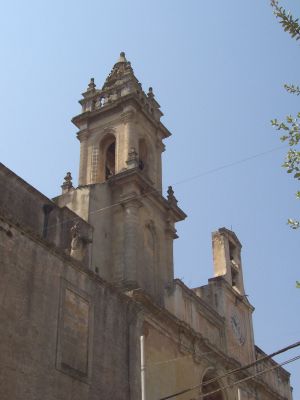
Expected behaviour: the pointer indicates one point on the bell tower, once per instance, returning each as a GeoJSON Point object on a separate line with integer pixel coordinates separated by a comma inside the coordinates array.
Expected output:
{"type": "Point", "coordinates": [227, 258]}
{"type": "Point", "coordinates": [127, 135]}
{"type": "Point", "coordinates": [120, 183]}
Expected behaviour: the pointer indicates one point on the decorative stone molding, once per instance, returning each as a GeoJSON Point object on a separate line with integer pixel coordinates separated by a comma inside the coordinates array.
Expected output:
{"type": "Point", "coordinates": [83, 134]}
{"type": "Point", "coordinates": [185, 343]}
{"type": "Point", "coordinates": [109, 130]}
{"type": "Point", "coordinates": [170, 229]}
{"type": "Point", "coordinates": [133, 160]}
{"type": "Point", "coordinates": [128, 116]}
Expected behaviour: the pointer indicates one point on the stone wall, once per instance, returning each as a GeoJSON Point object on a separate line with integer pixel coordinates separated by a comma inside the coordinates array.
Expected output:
{"type": "Point", "coordinates": [35, 213]}
{"type": "Point", "coordinates": [64, 332]}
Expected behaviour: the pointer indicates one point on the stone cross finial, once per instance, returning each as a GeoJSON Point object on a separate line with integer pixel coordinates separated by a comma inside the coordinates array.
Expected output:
{"type": "Point", "coordinates": [132, 160]}
{"type": "Point", "coordinates": [171, 198]}
{"type": "Point", "coordinates": [67, 184]}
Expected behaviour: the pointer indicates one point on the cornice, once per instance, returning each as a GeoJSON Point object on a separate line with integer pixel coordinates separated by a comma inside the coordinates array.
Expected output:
{"type": "Point", "coordinates": [147, 190]}
{"type": "Point", "coordinates": [119, 104]}
{"type": "Point", "coordinates": [215, 317]}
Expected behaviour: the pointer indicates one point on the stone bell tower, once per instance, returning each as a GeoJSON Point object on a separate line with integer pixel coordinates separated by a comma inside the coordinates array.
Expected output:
{"type": "Point", "coordinates": [120, 183]}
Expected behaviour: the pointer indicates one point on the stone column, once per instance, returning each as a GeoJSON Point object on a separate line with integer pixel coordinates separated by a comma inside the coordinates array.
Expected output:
{"type": "Point", "coordinates": [131, 236]}
{"type": "Point", "coordinates": [83, 136]}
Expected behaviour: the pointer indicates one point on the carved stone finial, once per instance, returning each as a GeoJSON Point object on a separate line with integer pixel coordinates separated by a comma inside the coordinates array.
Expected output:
{"type": "Point", "coordinates": [122, 57]}
{"type": "Point", "coordinates": [91, 85]}
{"type": "Point", "coordinates": [132, 160]}
{"type": "Point", "coordinates": [171, 198]}
{"type": "Point", "coordinates": [67, 184]}
{"type": "Point", "coordinates": [150, 93]}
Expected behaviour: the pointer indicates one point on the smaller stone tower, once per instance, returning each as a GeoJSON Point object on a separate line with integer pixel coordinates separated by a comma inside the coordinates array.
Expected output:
{"type": "Point", "coordinates": [227, 258]}
{"type": "Point", "coordinates": [120, 184]}
{"type": "Point", "coordinates": [226, 293]}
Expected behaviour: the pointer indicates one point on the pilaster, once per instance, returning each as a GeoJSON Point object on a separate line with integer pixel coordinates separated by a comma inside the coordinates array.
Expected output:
{"type": "Point", "coordinates": [83, 137]}
{"type": "Point", "coordinates": [131, 239]}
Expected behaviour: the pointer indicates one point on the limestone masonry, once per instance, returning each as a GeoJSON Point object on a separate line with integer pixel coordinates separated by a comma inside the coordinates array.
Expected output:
{"type": "Point", "coordinates": [90, 309]}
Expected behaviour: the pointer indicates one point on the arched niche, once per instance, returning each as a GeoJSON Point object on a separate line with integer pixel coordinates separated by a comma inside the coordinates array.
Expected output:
{"type": "Point", "coordinates": [211, 387]}
{"type": "Point", "coordinates": [107, 147]}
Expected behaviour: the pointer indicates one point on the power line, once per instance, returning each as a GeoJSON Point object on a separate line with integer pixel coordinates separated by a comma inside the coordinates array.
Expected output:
{"type": "Point", "coordinates": [250, 377]}
{"type": "Point", "coordinates": [188, 179]}
{"type": "Point", "coordinates": [283, 350]}
{"type": "Point", "coordinates": [224, 166]}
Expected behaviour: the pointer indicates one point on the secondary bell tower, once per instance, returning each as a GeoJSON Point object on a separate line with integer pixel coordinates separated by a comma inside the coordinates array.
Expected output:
{"type": "Point", "coordinates": [120, 184]}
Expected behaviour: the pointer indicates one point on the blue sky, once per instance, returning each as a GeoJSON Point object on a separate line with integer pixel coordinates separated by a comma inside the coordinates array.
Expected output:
{"type": "Point", "coordinates": [217, 69]}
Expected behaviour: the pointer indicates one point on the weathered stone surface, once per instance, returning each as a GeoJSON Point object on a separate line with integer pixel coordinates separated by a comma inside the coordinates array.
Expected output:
{"type": "Point", "coordinates": [87, 284]}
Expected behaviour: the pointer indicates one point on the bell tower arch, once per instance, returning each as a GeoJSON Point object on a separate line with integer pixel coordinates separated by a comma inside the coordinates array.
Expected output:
{"type": "Point", "coordinates": [107, 157]}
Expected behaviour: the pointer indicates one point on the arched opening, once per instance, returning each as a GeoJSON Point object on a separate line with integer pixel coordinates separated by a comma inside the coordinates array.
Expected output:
{"type": "Point", "coordinates": [211, 387]}
{"type": "Point", "coordinates": [107, 157]}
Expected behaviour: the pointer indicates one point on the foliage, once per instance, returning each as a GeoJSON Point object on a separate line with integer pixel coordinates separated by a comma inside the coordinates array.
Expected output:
{"type": "Point", "coordinates": [288, 22]}
{"type": "Point", "coordinates": [291, 125]}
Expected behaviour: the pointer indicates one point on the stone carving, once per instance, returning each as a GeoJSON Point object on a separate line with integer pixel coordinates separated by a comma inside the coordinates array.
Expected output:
{"type": "Point", "coordinates": [78, 243]}
{"type": "Point", "coordinates": [150, 93]}
{"type": "Point", "coordinates": [171, 198]}
{"type": "Point", "coordinates": [91, 85]}
{"type": "Point", "coordinates": [67, 184]}
{"type": "Point", "coordinates": [122, 71]}
{"type": "Point", "coordinates": [132, 160]}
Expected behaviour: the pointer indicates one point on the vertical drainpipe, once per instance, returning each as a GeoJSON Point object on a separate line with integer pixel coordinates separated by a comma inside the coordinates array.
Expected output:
{"type": "Point", "coordinates": [239, 394]}
{"type": "Point", "coordinates": [143, 368]}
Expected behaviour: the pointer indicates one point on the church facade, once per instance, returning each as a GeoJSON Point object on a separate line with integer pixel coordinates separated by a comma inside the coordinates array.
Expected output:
{"type": "Point", "coordinates": [90, 308]}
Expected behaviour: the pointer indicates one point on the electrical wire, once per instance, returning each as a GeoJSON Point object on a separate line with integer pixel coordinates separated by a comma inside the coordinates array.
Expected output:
{"type": "Point", "coordinates": [188, 179]}
{"type": "Point", "coordinates": [234, 383]}
{"type": "Point", "coordinates": [249, 377]}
